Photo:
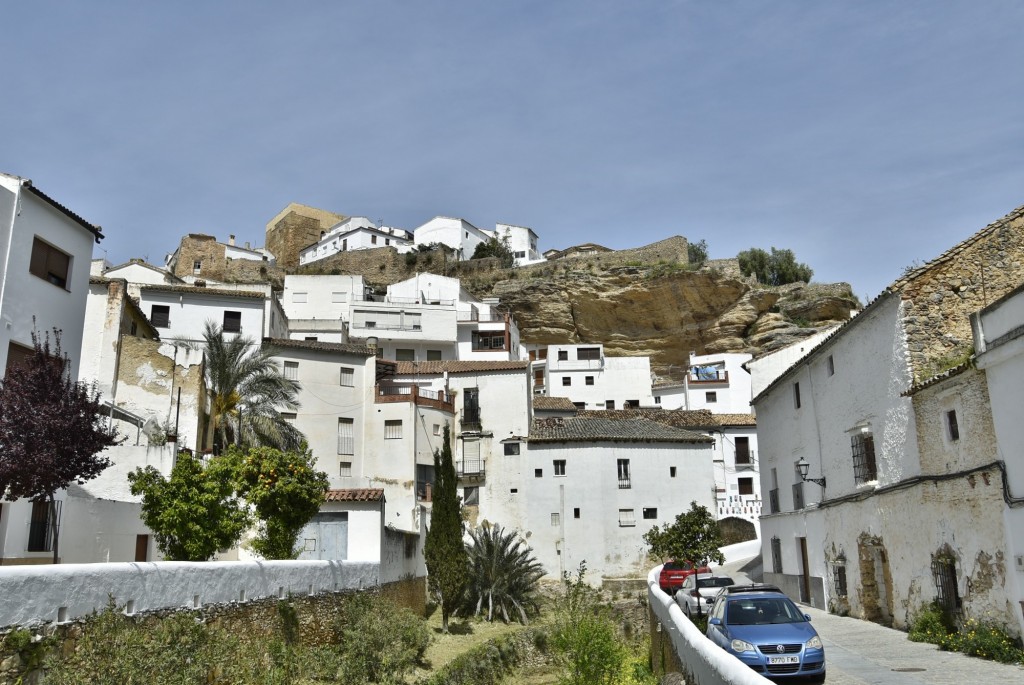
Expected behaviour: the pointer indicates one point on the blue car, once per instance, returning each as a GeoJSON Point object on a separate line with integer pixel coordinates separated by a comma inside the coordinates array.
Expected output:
{"type": "Point", "coordinates": [764, 629]}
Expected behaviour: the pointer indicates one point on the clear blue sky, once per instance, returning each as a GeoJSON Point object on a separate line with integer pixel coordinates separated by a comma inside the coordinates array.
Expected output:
{"type": "Point", "coordinates": [863, 135]}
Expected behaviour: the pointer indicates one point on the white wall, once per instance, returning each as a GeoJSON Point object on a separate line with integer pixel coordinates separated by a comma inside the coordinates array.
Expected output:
{"type": "Point", "coordinates": [619, 379]}
{"type": "Point", "coordinates": [134, 272]}
{"type": "Point", "coordinates": [731, 394]}
{"type": "Point", "coordinates": [455, 233]}
{"type": "Point", "coordinates": [189, 312]}
{"type": "Point", "coordinates": [766, 369]}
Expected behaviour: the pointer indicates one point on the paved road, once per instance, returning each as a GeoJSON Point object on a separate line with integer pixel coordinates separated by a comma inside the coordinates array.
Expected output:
{"type": "Point", "coordinates": [863, 653]}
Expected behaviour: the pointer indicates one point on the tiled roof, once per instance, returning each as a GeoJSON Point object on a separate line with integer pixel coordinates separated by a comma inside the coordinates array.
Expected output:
{"type": "Point", "coordinates": [27, 183]}
{"type": "Point", "coordinates": [545, 403]}
{"type": "Point", "coordinates": [201, 290]}
{"type": "Point", "coordinates": [679, 418]}
{"type": "Point", "coordinates": [322, 346]}
{"type": "Point", "coordinates": [737, 419]}
{"type": "Point", "coordinates": [453, 366]}
{"type": "Point", "coordinates": [355, 495]}
{"type": "Point", "coordinates": [595, 428]}
{"type": "Point", "coordinates": [938, 378]}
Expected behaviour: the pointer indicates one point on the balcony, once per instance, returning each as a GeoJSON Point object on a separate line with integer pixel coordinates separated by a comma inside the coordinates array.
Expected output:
{"type": "Point", "coordinates": [471, 470]}
{"type": "Point", "coordinates": [744, 460]}
{"type": "Point", "coordinates": [438, 399]}
{"type": "Point", "coordinates": [625, 483]}
{"type": "Point", "coordinates": [705, 375]}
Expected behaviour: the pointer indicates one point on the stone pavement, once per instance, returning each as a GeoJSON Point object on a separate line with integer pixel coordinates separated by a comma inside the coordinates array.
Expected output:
{"type": "Point", "coordinates": [861, 652]}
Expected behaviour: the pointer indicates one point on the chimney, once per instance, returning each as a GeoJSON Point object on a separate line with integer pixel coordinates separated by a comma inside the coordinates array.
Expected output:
{"type": "Point", "coordinates": [247, 244]}
{"type": "Point", "coordinates": [231, 240]}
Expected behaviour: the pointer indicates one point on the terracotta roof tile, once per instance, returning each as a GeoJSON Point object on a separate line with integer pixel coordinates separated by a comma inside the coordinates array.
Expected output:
{"type": "Point", "coordinates": [355, 495]}
{"type": "Point", "coordinates": [321, 346]}
{"type": "Point", "coordinates": [545, 403]}
{"type": "Point", "coordinates": [679, 418]}
{"type": "Point", "coordinates": [200, 290]}
{"type": "Point", "coordinates": [453, 366]}
{"type": "Point", "coordinates": [594, 428]}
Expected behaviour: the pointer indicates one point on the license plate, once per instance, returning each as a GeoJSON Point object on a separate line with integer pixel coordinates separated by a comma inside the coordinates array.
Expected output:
{"type": "Point", "coordinates": [783, 660]}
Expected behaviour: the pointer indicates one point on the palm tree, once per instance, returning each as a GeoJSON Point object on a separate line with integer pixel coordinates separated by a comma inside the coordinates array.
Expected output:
{"type": "Point", "coordinates": [503, 572]}
{"type": "Point", "coordinates": [247, 393]}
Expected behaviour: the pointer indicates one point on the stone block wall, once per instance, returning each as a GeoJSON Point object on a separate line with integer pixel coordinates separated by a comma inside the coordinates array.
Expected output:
{"type": "Point", "coordinates": [296, 228]}
{"type": "Point", "coordinates": [204, 248]}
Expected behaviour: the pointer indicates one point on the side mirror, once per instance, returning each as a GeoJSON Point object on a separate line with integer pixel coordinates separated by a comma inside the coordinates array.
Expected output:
{"type": "Point", "coordinates": [807, 617]}
{"type": "Point", "coordinates": [715, 621]}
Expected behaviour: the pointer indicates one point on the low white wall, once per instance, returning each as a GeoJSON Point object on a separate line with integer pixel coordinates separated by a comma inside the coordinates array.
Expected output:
{"type": "Point", "coordinates": [704, 661]}
{"type": "Point", "coordinates": [41, 594]}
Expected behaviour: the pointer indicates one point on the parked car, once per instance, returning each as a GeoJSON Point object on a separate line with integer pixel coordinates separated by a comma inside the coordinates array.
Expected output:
{"type": "Point", "coordinates": [765, 629]}
{"type": "Point", "coordinates": [698, 592]}
{"type": "Point", "coordinates": [673, 573]}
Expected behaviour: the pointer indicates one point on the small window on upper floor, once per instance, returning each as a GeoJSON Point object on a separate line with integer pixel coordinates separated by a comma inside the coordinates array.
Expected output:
{"type": "Point", "coordinates": [373, 239]}
{"type": "Point", "coordinates": [49, 263]}
{"type": "Point", "coordinates": [566, 380]}
{"type": "Point", "coordinates": [657, 400]}
{"type": "Point", "coordinates": [862, 445]}
{"type": "Point", "coordinates": [511, 449]}
{"type": "Point", "coordinates": [433, 355]}
{"type": "Point", "coordinates": [590, 380]}
{"type": "Point", "coordinates": [197, 267]}
{"type": "Point", "coordinates": [538, 473]}
{"type": "Point", "coordinates": [299, 297]}
{"type": "Point", "coordinates": [952, 427]}
{"type": "Point", "coordinates": [671, 471]}
{"type": "Point", "coordinates": [588, 353]}
{"type": "Point", "coordinates": [796, 395]}
{"type": "Point", "coordinates": [232, 322]}
{"type": "Point", "coordinates": [160, 316]}
{"type": "Point", "coordinates": [405, 355]}
{"type": "Point", "coordinates": [563, 355]}
{"type": "Point", "coordinates": [347, 376]}
{"type": "Point", "coordinates": [559, 465]}
{"type": "Point", "coordinates": [393, 430]}
{"type": "Point", "coordinates": [711, 397]}
{"type": "Point", "coordinates": [650, 512]}
{"type": "Point", "coordinates": [291, 371]}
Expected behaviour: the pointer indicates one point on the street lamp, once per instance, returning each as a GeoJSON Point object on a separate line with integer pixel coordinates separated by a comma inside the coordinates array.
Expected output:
{"type": "Point", "coordinates": [802, 465]}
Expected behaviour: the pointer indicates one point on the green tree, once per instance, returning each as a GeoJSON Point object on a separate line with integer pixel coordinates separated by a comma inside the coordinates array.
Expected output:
{"type": "Point", "coordinates": [778, 268]}
{"type": "Point", "coordinates": [503, 573]}
{"type": "Point", "coordinates": [444, 551]}
{"type": "Point", "coordinates": [498, 248]}
{"type": "Point", "coordinates": [585, 635]}
{"type": "Point", "coordinates": [284, 489]}
{"type": "Point", "coordinates": [697, 253]}
{"type": "Point", "coordinates": [694, 535]}
{"type": "Point", "coordinates": [51, 431]}
{"type": "Point", "coordinates": [247, 390]}
{"type": "Point", "coordinates": [193, 513]}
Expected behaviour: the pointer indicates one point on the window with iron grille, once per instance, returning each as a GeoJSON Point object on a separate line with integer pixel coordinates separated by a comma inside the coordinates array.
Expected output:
{"type": "Point", "coordinates": [160, 316]}
{"type": "Point", "coordinates": [291, 371]}
{"type": "Point", "coordinates": [559, 465]}
{"type": "Point", "coordinates": [345, 469]}
{"type": "Point", "coordinates": [650, 512]}
{"type": "Point", "coordinates": [346, 436]}
{"type": "Point", "coordinates": [232, 322]}
{"type": "Point", "coordinates": [393, 430]}
{"type": "Point", "coordinates": [623, 468]}
{"type": "Point", "coordinates": [773, 501]}
{"type": "Point", "coordinates": [839, 579]}
{"type": "Point", "coordinates": [566, 380]}
{"type": "Point", "coordinates": [556, 520]}
{"type": "Point", "coordinates": [946, 592]}
{"type": "Point", "coordinates": [347, 376]}
{"type": "Point", "coordinates": [863, 448]}
{"type": "Point", "coordinates": [776, 555]}
{"type": "Point", "coordinates": [471, 405]}
{"type": "Point", "coordinates": [40, 530]}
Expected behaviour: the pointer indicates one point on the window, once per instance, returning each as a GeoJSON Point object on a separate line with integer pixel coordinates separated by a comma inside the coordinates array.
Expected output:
{"type": "Point", "coordinates": [657, 400]}
{"type": "Point", "coordinates": [798, 495]}
{"type": "Point", "coordinates": [291, 371]}
{"type": "Point", "coordinates": [796, 395]}
{"type": "Point", "coordinates": [345, 469]}
{"type": "Point", "coordinates": [373, 239]}
{"type": "Point", "coordinates": [538, 473]}
{"type": "Point", "coordinates": [563, 355]}
{"type": "Point", "coordinates": [338, 297]}
{"type": "Point", "coordinates": [387, 241]}
{"type": "Point", "coordinates": [566, 380]}
{"type": "Point", "coordinates": [746, 486]}
{"type": "Point", "coordinates": [580, 405]}
{"type": "Point", "coordinates": [711, 397]}
{"type": "Point", "coordinates": [160, 315]}
{"type": "Point", "coordinates": [40, 534]}
{"type": "Point", "coordinates": [232, 322]}
{"type": "Point", "coordinates": [559, 467]}
{"type": "Point", "coordinates": [671, 471]}
{"type": "Point", "coordinates": [650, 512]}
{"type": "Point", "coordinates": [347, 376]}
{"type": "Point", "coordinates": [830, 367]}
{"type": "Point", "coordinates": [590, 380]}
{"type": "Point", "coordinates": [437, 429]}
{"type": "Point", "coordinates": [609, 404]}
{"type": "Point", "coordinates": [947, 594]}
{"type": "Point", "coordinates": [471, 496]}
{"type": "Point", "coordinates": [393, 430]}
{"type": "Point", "coordinates": [197, 267]}
{"type": "Point", "coordinates": [471, 405]}
{"type": "Point", "coordinates": [520, 254]}
{"type": "Point", "coordinates": [556, 519]}
{"type": "Point", "coordinates": [952, 427]}
{"type": "Point", "coordinates": [627, 517]}
{"type": "Point", "coordinates": [863, 448]}
{"type": "Point", "coordinates": [18, 354]}
{"type": "Point", "coordinates": [776, 555]}
{"type": "Point", "coordinates": [405, 355]}
{"type": "Point", "coordinates": [623, 468]}
{"type": "Point", "coordinates": [576, 512]}
{"type": "Point", "coordinates": [588, 353]}
{"type": "Point", "coordinates": [433, 355]}
{"type": "Point", "coordinates": [839, 579]}
{"type": "Point", "coordinates": [488, 340]}
{"type": "Point", "coordinates": [346, 436]}
{"type": "Point", "coordinates": [310, 338]}
{"type": "Point", "coordinates": [298, 297]}
{"type": "Point", "coordinates": [511, 449]}
{"type": "Point", "coordinates": [49, 263]}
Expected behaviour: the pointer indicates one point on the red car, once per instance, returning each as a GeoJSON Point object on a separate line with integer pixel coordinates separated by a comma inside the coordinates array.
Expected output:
{"type": "Point", "coordinates": [673, 573]}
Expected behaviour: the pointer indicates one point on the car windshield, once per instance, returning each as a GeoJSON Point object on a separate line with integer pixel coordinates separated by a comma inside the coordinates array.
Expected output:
{"type": "Point", "coordinates": [762, 610]}
{"type": "Point", "coordinates": [718, 581]}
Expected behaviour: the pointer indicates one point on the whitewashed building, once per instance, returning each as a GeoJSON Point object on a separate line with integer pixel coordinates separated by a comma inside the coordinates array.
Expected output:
{"type": "Point", "coordinates": [590, 379]}
{"type": "Point", "coordinates": [458, 234]}
{"type": "Point", "coordinates": [717, 382]}
{"type": "Point", "coordinates": [356, 233]}
{"type": "Point", "coordinates": [522, 241]}
{"type": "Point", "coordinates": [180, 312]}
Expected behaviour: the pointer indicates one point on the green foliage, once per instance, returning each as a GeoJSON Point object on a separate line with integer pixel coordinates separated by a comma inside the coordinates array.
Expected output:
{"type": "Point", "coordinates": [778, 268]}
{"type": "Point", "coordinates": [697, 253]}
{"type": "Point", "coordinates": [584, 635]}
{"type": "Point", "coordinates": [444, 551]}
{"type": "Point", "coordinates": [953, 359]}
{"type": "Point", "coordinates": [931, 624]}
{"type": "Point", "coordinates": [193, 513]}
{"type": "Point", "coordinates": [380, 642]}
{"type": "Point", "coordinates": [984, 640]}
{"type": "Point", "coordinates": [694, 535]}
{"type": "Point", "coordinates": [491, 662]}
{"type": "Point", "coordinates": [498, 248]}
{"type": "Point", "coordinates": [503, 573]}
{"type": "Point", "coordinates": [284, 489]}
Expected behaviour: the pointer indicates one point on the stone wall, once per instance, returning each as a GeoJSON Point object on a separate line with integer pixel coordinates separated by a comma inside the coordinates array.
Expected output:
{"type": "Point", "coordinates": [295, 228]}
{"type": "Point", "coordinates": [941, 295]}
{"type": "Point", "coordinates": [204, 248]}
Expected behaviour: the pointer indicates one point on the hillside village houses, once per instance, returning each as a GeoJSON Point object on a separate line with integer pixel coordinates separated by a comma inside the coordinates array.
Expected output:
{"type": "Point", "coordinates": [894, 477]}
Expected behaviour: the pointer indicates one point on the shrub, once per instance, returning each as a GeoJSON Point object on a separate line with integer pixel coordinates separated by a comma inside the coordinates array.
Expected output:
{"type": "Point", "coordinates": [931, 624]}
{"type": "Point", "coordinates": [380, 642]}
{"type": "Point", "coordinates": [984, 640]}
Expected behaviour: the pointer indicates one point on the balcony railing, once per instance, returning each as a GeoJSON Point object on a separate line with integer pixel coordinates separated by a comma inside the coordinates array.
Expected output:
{"type": "Point", "coordinates": [418, 396]}
{"type": "Point", "coordinates": [744, 459]}
{"type": "Point", "coordinates": [471, 469]}
{"type": "Point", "coordinates": [773, 501]}
{"type": "Point", "coordinates": [625, 483]}
{"type": "Point", "coordinates": [708, 375]}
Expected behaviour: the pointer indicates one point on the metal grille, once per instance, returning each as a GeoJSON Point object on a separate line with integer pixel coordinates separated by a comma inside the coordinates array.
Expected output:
{"type": "Point", "coordinates": [624, 481]}
{"type": "Point", "coordinates": [346, 436]}
{"type": "Point", "coordinates": [946, 592]}
{"type": "Point", "coordinates": [773, 501]}
{"type": "Point", "coordinates": [798, 496]}
{"type": "Point", "coordinates": [40, 528]}
{"type": "Point", "coordinates": [776, 555]}
{"type": "Point", "coordinates": [839, 579]}
{"type": "Point", "coordinates": [863, 448]}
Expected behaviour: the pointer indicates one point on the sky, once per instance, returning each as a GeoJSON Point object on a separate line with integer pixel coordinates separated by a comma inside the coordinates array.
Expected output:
{"type": "Point", "coordinates": [865, 136]}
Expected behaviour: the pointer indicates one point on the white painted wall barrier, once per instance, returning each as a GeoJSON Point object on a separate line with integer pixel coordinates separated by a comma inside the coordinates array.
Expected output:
{"type": "Point", "coordinates": [704, 662]}
{"type": "Point", "coordinates": [43, 594]}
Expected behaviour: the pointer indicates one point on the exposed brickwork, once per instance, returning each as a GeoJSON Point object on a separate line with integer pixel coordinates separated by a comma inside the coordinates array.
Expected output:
{"type": "Point", "coordinates": [941, 295]}
{"type": "Point", "coordinates": [295, 228]}
{"type": "Point", "coordinates": [204, 248]}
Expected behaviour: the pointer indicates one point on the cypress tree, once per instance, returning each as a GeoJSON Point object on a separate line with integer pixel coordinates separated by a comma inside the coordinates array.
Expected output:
{"type": "Point", "coordinates": [444, 550]}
